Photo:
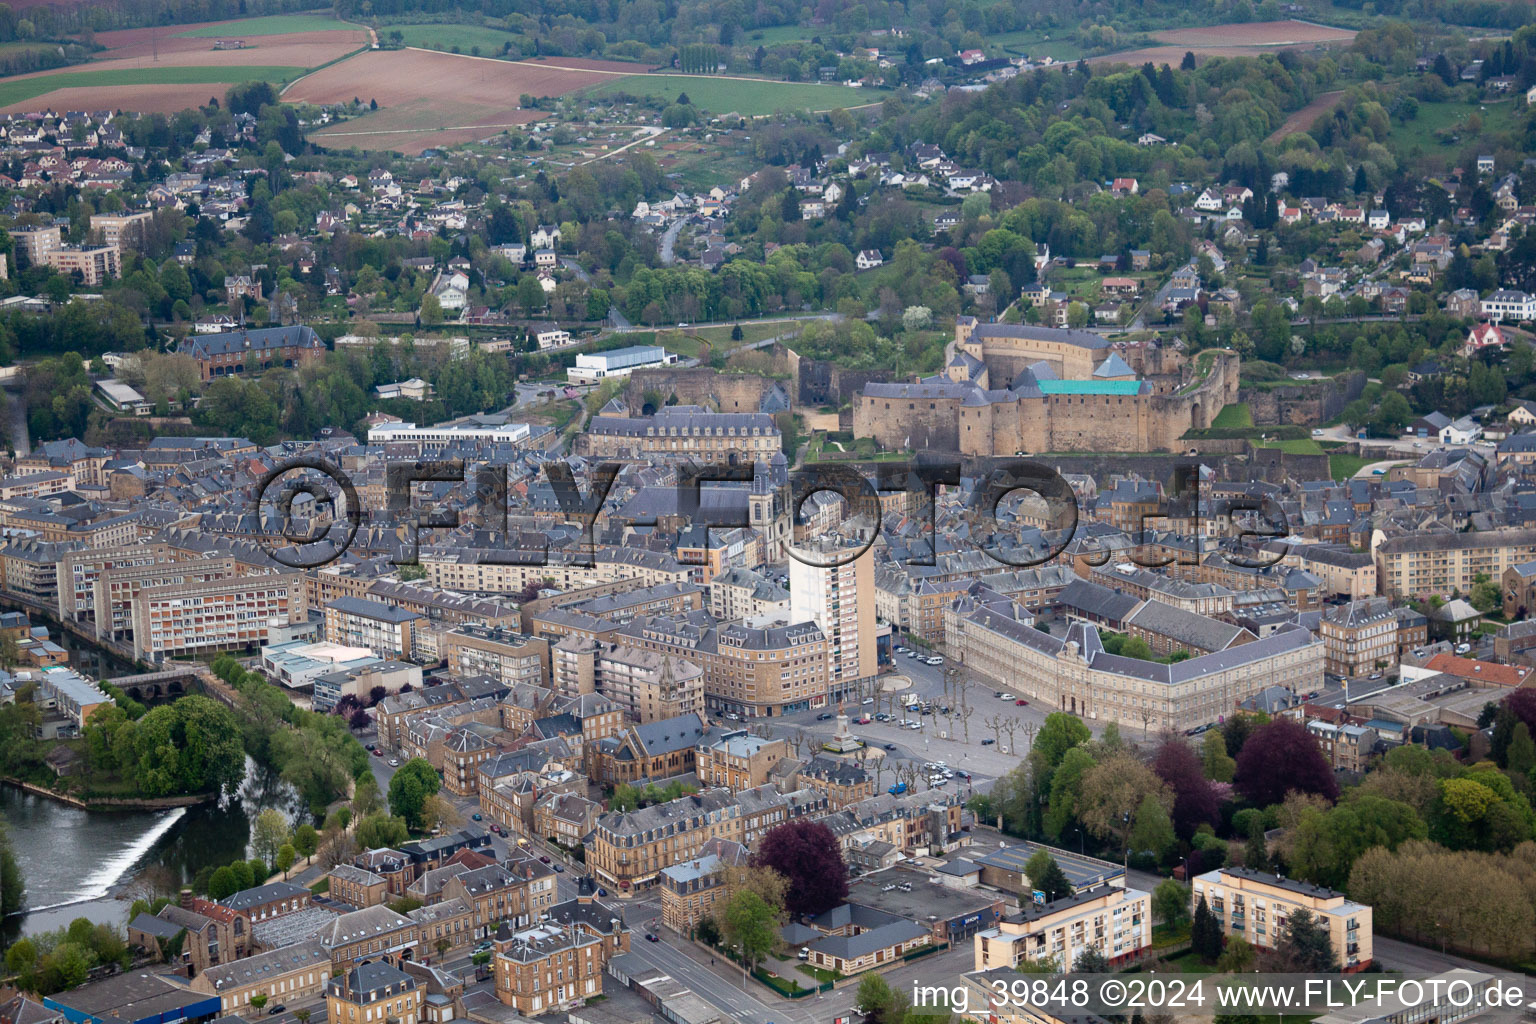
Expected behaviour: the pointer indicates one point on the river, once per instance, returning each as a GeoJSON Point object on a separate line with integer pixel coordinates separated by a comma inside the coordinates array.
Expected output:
{"type": "Point", "coordinates": [80, 863]}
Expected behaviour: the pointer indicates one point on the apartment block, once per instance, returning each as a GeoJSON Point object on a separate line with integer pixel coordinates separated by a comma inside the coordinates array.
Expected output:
{"type": "Point", "coordinates": [34, 244]}
{"type": "Point", "coordinates": [839, 598]}
{"type": "Point", "coordinates": [503, 654]}
{"type": "Point", "coordinates": [487, 571]}
{"type": "Point", "coordinates": [1114, 921]}
{"type": "Point", "coordinates": [749, 671]}
{"type": "Point", "coordinates": [113, 590]}
{"type": "Point", "coordinates": [218, 615]}
{"type": "Point", "coordinates": [386, 630]}
{"type": "Point", "coordinates": [115, 228]}
{"type": "Point", "coordinates": [1415, 564]}
{"type": "Point", "coordinates": [94, 264]}
{"type": "Point", "coordinates": [79, 570]}
{"type": "Point", "coordinates": [1359, 638]}
{"type": "Point", "coordinates": [650, 686]}
{"type": "Point", "coordinates": [740, 593]}
{"type": "Point", "coordinates": [1257, 905]}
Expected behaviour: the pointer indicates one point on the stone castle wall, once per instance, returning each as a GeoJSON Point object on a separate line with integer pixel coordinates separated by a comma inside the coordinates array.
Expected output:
{"type": "Point", "coordinates": [697, 385]}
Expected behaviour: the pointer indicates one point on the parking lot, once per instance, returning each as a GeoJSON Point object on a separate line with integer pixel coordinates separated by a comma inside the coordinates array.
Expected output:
{"type": "Point", "coordinates": [982, 734]}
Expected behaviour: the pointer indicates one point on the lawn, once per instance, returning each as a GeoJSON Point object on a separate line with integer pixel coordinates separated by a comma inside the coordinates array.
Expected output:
{"type": "Point", "coordinates": [18, 90]}
{"type": "Point", "coordinates": [1420, 133]}
{"type": "Point", "coordinates": [1344, 467]}
{"type": "Point", "coordinates": [1298, 446]}
{"type": "Point", "coordinates": [1165, 936]}
{"type": "Point", "coordinates": [750, 332]}
{"type": "Point", "coordinates": [1235, 415]}
{"type": "Point", "coordinates": [685, 345]}
{"type": "Point", "coordinates": [1035, 45]}
{"type": "Point", "coordinates": [781, 34]}
{"type": "Point", "coordinates": [272, 25]}
{"type": "Point", "coordinates": [747, 97]}
{"type": "Point", "coordinates": [458, 38]}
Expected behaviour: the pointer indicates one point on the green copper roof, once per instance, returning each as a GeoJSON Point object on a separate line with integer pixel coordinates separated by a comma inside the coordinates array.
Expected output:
{"type": "Point", "coordinates": [1090, 387]}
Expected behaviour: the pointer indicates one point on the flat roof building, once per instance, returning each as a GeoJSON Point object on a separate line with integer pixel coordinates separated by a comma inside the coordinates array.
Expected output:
{"type": "Point", "coordinates": [1257, 905]}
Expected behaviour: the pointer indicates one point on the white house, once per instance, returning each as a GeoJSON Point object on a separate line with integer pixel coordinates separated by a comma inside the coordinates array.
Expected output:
{"type": "Point", "coordinates": [218, 323]}
{"type": "Point", "coordinates": [1462, 431]}
{"type": "Point", "coordinates": [1377, 220]}
{"type": "Point", "coordinates": [515, 252]}
{"type": "Point", "coordinates": [868, 258]}
{"type": "Point", "coordinates": [451, 289]}
{"type": "Point", "coordinates": [545, 236]}
{"type": "Point", "coordinates": [1209, 200]}
{"type": "Point", "coordinates": [552, 339]}
{"type": "Point", "coordinates": [1509, 304]}
{"type": "Point", "coordinates": [545, 258]}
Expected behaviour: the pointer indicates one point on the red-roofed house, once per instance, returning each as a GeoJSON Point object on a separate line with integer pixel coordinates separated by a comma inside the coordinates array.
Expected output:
{"type": "Point", "coordinates": [1484, 335]}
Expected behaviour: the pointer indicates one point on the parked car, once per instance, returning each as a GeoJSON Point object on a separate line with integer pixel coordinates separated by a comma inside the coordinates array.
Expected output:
{"type": "Point", "coordinates": [890, 746]}
{"type": "Point", "coordinates": [651, 937]}
{"type": "Point", "coordinates": [988, 743]}
{"type": "Point", "coordinates": [867, 701]}
{"type": "Point", "coordinates": [273, 1011]}
{"type": "Point", "coordinates": [1007, 696]}
{"type": "Point", "coordinates": [824, 716]}
{"type": "Point", "coordinates": [602, 892]}
{"type": "Point", "coordinates": [475, 816]}
{"type": "Point", "coordinates": [543, 859]}
{"type": "Point", "coordinates": [1020, 702]}
{"type": "Point", "coordinates": [559, 869]}
{"type": "Point", "coordinates": [394, 763]}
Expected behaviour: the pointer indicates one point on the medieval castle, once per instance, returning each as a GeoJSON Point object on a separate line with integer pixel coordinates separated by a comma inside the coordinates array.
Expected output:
{"type": "Point", "coordinates": [1011, 389]}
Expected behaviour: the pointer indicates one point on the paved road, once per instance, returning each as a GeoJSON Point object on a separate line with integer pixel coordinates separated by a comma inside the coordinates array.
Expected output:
{"type": "Point", "coordinates": [669, 242]}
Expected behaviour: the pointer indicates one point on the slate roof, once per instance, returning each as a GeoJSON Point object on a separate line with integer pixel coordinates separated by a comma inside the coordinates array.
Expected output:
{"type": "Point", "coordinates": [266, 339]}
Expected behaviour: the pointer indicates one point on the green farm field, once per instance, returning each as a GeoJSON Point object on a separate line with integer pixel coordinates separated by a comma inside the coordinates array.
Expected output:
{"type": "Point", "coordinates": [1421, 132]}
{"type": "Point", "coordinates": [18, 90]}
{"type": "Point", "coordinates": [749, 97]}
{"type": "Point", "coordinates": [272, 25]}
{"type": "Point", "coordinates": [781, 34]}
{"type": "Point", "coordinates": [458, 38]}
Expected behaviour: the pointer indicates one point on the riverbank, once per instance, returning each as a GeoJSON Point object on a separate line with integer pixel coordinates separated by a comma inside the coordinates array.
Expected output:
{"type": "Point", "coordinates": [106, 803]}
